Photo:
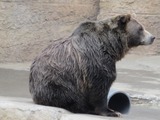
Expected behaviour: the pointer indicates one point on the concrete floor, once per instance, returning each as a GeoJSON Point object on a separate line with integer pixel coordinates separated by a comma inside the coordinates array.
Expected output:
{"type": "Point", "coordinates": [140, 83]}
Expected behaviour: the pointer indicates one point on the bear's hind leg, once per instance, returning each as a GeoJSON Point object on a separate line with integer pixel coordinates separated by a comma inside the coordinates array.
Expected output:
{"type": "Point", "coordinates": [62, 97]}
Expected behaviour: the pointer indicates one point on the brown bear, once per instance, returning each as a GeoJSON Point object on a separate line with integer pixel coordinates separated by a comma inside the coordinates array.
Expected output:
{"type": "Point", "coordinates": [77, 72]}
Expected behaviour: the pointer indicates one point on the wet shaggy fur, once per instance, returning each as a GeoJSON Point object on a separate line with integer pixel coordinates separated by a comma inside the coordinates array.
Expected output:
{"type": "Point", "coordinates": [77, 72]}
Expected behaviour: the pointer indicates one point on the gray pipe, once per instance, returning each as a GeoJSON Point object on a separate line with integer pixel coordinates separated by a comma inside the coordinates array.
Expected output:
{"type": "Point", "coordinates": [119, 101]}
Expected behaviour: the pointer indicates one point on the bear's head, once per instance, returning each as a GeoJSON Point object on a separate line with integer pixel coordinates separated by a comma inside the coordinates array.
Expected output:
{"type": "Point", "coordinates": [136, 33]}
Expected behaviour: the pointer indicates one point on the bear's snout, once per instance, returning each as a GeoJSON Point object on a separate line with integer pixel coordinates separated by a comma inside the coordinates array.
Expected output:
{"type": "Point", "coordinates": [152, 39]}
{"type": "Point", "coordinates": [148, 38]}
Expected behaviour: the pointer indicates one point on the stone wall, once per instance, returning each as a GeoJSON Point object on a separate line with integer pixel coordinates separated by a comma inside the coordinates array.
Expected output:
{"type": "Point", "coordinates": [27, 26]}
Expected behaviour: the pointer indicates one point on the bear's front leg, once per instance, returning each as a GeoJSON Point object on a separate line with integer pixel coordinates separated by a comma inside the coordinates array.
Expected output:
{"type": "Point", "coordinates": [98, 98]}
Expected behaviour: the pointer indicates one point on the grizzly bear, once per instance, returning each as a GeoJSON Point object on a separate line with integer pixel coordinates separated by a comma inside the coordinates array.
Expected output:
{"type": "Point", "coordinates": [77, 72]}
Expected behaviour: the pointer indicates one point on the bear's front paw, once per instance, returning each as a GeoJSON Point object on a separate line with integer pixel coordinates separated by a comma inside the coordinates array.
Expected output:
{"type": "Point", "coordinates": [113, 114]}
{"type": "Point", "coordinates": [110, 113]}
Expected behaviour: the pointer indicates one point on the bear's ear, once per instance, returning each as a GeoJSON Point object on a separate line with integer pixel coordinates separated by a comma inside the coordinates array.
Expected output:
{"type": "Point", "coordinates": [123, 19]}
{"type": "Point", "coordinates": [120, 21]}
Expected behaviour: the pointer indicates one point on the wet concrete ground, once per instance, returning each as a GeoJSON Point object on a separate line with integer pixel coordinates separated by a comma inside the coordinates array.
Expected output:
{"type": "Point", "coordinates": [14, 83]}
{"type": "Point", "coordinates": [143, 85]}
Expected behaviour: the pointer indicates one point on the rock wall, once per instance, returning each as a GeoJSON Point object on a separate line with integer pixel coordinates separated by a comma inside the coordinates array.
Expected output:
{"type": "Point", "coordinates": [28, 26]}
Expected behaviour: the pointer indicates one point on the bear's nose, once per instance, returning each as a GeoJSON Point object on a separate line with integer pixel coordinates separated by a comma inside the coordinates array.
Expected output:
{"type": "Point", "coordinates": [152, 38]}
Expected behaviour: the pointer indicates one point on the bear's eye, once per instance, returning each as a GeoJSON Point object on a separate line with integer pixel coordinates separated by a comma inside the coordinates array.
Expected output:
{"type": "Point", "coordinates": [140, 28]}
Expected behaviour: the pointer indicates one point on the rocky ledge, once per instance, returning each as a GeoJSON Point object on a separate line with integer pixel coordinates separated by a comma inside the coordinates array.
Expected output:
{"type": "Point", "coordinates": [25, 109]}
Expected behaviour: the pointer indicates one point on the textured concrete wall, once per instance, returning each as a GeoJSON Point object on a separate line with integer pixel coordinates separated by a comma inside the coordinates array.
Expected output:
{"type": "Point", "coordinates": [27, 26]}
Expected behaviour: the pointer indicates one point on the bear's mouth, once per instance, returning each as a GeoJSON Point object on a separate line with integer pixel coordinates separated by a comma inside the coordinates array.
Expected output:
{"type": "Point", "coordinates": [149, 42]}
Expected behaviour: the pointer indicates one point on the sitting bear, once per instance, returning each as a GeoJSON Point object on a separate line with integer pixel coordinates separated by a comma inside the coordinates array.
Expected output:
{"type": "Point", "coordinates": [77, 72]}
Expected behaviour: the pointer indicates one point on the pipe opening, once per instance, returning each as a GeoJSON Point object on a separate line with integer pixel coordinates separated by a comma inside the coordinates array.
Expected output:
{"type": "Point", "coordinates": [119, 102]}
